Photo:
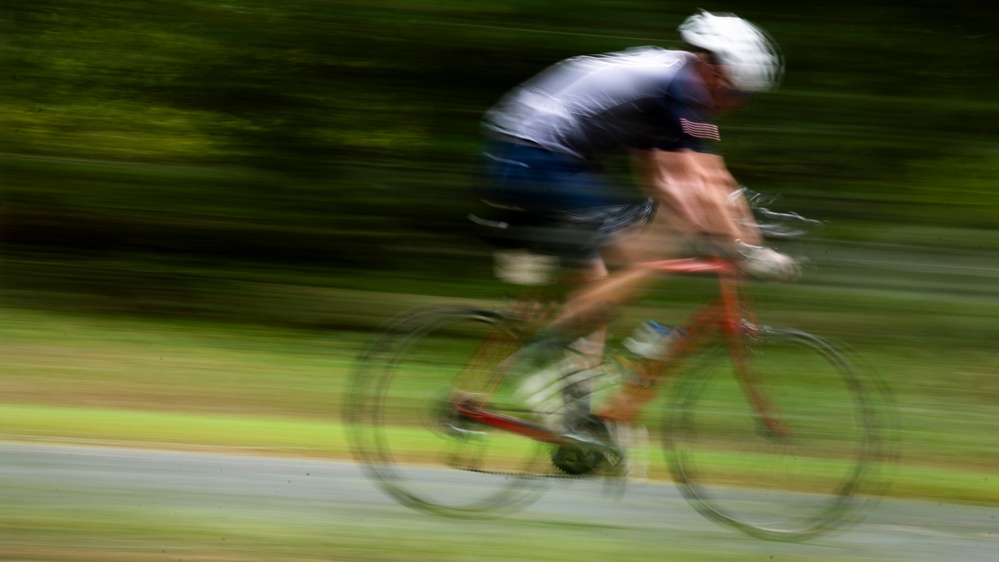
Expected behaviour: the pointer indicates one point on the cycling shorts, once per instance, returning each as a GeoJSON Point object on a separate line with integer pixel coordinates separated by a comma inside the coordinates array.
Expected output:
{"type": "Point", "coordinates": [550, 203]}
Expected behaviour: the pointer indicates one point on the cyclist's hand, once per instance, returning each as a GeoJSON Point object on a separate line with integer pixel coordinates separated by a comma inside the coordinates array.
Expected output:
{"type": "Point", "coordinates": [767, 264]}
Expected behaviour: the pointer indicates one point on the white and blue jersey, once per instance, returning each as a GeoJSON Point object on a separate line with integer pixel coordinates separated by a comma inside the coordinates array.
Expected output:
{"type": "Point", "coordinates": [549, 133]}
{"type": "Point", "coordinates": [587, 106]}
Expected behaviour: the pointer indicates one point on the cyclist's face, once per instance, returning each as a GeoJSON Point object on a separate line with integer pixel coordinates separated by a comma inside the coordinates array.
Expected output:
{"type": "Point", "coordinates": [724, 94]}
{"type": "Point", "coordinates": [728, 99]}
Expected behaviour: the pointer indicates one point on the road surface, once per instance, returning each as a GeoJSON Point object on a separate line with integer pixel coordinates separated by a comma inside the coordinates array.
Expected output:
{"type": "Point", "coordinates": [88, 503]}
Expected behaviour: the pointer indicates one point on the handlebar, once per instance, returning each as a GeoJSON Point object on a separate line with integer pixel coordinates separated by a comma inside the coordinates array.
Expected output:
{"type": "Point", "coordinates": [773, 224]}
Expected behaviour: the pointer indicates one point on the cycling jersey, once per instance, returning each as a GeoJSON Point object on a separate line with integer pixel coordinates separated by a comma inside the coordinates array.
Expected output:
{"type": "Point", "coordinates": [590, 105]}
{"type": "Point", "coordinates": [548, 133]}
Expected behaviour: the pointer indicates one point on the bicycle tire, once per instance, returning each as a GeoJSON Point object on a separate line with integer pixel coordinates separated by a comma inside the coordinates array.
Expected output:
{"type": "Point", "coordinates": [398, 420]}
{"type": "Point", "coordinates": [814, 477]}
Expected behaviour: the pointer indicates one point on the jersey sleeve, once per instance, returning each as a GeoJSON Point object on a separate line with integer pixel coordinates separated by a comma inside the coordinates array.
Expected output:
{"type": "Point", "coordinates": [688, 108]}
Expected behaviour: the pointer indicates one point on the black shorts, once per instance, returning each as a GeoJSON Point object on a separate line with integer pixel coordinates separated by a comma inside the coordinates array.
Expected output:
{"type": "Point", "coordinates": [550, 203]}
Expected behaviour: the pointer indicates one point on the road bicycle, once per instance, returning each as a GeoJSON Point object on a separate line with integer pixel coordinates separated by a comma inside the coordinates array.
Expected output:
{"type": "Point", "coordinates": [772, 431]}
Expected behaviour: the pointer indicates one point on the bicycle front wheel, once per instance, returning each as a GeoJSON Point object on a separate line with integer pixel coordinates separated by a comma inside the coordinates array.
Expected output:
{"type": "Point", "coordinates": [404, 428]}
{"type": "Point", "coordinates": [791, 447]}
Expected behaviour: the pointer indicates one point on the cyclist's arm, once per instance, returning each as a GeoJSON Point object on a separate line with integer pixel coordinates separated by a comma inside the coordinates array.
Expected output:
{"type": "Point", "coordinates": [697, 186]}
{"type": "Point", "coordinates": [683, 171]}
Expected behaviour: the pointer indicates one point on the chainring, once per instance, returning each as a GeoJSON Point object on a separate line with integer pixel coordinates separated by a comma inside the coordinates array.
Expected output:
{"type": "Point", "coordinates": [577, 460]}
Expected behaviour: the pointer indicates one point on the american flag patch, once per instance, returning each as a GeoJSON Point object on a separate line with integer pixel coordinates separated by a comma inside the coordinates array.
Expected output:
{"type": "Point", "coordinates": [700, 130]}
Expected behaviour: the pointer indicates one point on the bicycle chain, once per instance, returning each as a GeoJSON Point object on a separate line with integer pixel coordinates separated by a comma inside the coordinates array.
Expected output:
{"type": "Point", "coordinates": [561, 475]}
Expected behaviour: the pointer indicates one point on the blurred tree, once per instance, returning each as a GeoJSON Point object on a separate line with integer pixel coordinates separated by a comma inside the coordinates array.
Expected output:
{"type": "Point", "coordinates": [308, 129]}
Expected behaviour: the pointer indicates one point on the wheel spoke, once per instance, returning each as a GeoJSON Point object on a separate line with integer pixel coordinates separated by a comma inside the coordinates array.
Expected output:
{"type": "Point", "coordinates": [403, 418]}
{"type": "Point", "coordinates": [792, 462]}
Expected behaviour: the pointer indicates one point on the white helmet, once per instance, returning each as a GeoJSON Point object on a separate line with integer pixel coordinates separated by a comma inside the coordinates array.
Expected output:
{"type": "Point", "coordinates": [753, 60]}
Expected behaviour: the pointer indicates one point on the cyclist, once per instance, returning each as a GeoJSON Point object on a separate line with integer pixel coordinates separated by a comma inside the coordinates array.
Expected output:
{"type": "Point", "coordinates": [549, 136]}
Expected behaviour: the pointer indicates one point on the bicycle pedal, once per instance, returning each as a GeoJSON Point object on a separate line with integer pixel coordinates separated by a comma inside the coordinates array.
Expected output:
{"type": "Point", "coordinates": [448, 420]}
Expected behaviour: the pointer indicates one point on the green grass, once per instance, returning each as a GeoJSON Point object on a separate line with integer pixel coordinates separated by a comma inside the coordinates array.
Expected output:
{"type": "Point", "coordinates": [175, 430]}
{"type": "Point", "coordinates": [327, 439]}
{"type": "Point", "coordinates": [166, 384]}
{"type": "Point", "coordinates": [125, 381]}
{"type": "Point", "coordinates": [184, 385]}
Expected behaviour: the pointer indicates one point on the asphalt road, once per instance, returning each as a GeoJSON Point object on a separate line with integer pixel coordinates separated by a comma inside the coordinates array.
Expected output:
{"type": "Point", "coordinates": [185, 506]}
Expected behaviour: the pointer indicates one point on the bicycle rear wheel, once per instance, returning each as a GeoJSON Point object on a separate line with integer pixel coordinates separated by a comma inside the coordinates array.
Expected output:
{"type": "Point", "coordinates": [805, 467]}
{"type": "Point", "coordinates": [403, 426]}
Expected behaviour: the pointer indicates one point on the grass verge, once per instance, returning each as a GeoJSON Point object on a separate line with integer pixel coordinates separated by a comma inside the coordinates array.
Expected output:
{"type": "Point", "coordinates": [327, 439]}
{"type": "Point", "coordinates": [128, 381]}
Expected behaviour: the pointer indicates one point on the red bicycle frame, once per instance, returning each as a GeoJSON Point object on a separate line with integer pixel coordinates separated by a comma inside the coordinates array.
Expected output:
{"type": "Point", "coordinates": [724, 315]}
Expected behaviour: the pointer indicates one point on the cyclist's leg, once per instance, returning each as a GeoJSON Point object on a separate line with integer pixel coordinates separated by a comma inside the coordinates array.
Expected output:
{"type": "Point", "coordinates": [547, 186]}
{"type": "Point", "coordinates": [590, 307]}
{"type": "Point", "coordinates": [554, 372]}
{"type": "Point", "coordinates": [658, 240]}
{"type": "Point", "coordinates": [543, 186]}
{"type": "Point", "coordinates": [589, 347]}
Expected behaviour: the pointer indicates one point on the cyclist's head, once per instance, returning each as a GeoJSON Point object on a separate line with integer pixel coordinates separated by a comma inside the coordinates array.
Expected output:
{"type": "Point", "coordinates": [752, 59]}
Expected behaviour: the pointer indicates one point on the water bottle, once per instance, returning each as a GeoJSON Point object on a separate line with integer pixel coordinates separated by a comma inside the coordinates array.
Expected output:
{"type": "Point", "coordinates": [651, 340]}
